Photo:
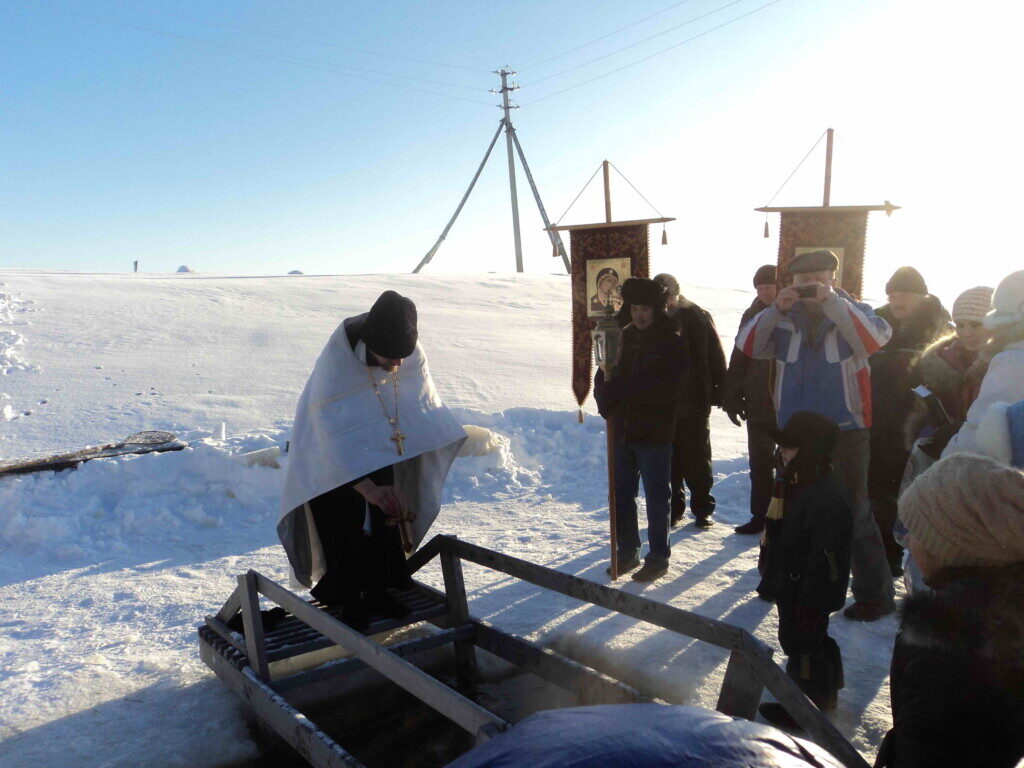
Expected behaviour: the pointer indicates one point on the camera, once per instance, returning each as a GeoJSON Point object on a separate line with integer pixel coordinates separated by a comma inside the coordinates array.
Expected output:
{"type": "Point", "coordinates": [807, 291]}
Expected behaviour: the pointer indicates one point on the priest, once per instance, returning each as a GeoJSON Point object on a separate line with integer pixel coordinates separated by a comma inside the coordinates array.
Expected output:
{"type": "Point", "coordinates": [369, 452]}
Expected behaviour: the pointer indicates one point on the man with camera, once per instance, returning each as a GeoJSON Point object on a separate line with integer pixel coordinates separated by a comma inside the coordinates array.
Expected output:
{"type": "Point", "coordinates": [820, 340]}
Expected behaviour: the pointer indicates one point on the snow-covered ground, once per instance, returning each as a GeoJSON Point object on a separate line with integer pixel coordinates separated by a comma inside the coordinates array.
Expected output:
{"type": "Point", "coordinates": [106, 570]}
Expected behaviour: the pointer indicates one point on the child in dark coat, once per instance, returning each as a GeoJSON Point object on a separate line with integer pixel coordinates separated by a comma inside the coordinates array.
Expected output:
{"type": "Point", "coordinates": [806, 558]}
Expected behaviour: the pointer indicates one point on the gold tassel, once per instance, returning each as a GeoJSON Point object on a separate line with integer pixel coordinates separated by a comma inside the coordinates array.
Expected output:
{"type": "Point", "coordinates": [766, 228]}
{"type": "Point", "coordinates": [580, 416]}
{"type": "Point", "coordinates": [775, 509]}
{"type": "Point", "coordinates": [664, 235]}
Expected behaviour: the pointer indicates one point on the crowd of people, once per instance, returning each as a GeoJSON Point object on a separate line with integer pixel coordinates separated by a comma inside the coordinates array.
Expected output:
{"type": "Point", "coordinates": [882, 443]}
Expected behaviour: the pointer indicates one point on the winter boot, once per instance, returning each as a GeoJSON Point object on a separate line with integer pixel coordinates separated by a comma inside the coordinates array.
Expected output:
{"type": "Point", "coordinates": [650, 572]}
{"type": "Point", "coordinates": [754, 525]}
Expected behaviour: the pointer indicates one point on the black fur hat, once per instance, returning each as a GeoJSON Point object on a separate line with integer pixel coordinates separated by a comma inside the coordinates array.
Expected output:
{"type": "Point", "coordinates": [640, 290]}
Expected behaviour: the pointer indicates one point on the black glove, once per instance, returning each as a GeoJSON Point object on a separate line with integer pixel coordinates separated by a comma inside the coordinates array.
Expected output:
{"type": "Point", "coordinates": [736, 411]}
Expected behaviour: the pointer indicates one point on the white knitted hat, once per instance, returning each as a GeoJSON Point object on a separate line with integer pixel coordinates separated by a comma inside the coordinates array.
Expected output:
{"type": "Point", "coordinates": [967, 510]}
{"type": "Point", "coordinates": [973, 304]}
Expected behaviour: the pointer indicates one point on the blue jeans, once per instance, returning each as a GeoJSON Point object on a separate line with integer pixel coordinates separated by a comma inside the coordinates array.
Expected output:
{"type": "Point", "coordinates": [653, 463]}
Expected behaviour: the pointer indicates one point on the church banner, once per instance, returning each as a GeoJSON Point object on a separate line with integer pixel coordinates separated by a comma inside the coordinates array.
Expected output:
{"type": "Point", "coordinates": [603, 258]}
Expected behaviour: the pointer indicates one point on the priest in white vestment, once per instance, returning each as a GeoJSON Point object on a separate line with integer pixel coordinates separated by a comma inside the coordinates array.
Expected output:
{"type": "Point", "coordinates": [370, 449]}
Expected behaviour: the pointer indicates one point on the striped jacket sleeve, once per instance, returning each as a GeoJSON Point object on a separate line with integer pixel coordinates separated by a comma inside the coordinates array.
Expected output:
{"type": "Point", "coordinates": [863, 330]}
{"type": "Point", "coordinates": [754, 339]}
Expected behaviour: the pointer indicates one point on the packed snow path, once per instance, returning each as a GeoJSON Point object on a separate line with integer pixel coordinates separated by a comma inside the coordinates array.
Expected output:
{"type": "Point", "coordinates": [105, 571]}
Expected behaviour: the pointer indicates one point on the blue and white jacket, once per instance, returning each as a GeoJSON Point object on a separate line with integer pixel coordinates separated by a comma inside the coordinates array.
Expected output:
{"type": "Point", "coordinates": [825, 371]}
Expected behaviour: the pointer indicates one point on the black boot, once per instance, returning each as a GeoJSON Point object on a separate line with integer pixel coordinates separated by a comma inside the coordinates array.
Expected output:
{"type": "Point", "coordinates": [754, 525]}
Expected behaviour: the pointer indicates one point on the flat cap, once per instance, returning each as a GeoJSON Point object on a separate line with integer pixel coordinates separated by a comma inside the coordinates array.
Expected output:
{"type": "Point", "coordinates": [814, 261]}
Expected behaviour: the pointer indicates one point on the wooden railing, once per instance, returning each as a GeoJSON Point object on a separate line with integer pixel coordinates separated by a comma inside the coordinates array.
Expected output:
{"type": "Point", "coordinates": [750, 668]}
{"type": "Point", "coordinates": [749, 671]}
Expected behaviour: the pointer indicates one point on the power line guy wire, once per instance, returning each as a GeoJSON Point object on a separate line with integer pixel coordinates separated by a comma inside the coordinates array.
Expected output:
{"type": "Point", "coordinates": [602, 37]}
{"type": "Point", "coordinates": [656, 53]}
{"type": "Point", "coordinates": [638, 42]}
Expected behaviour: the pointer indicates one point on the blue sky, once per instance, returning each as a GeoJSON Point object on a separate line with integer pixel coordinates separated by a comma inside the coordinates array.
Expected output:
{"type": "Point", "coordinates": [124, 137]}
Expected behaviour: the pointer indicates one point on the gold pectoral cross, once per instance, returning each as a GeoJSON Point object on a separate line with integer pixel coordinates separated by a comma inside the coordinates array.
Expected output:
{"type": "Point", "coordinates": [398, 438]}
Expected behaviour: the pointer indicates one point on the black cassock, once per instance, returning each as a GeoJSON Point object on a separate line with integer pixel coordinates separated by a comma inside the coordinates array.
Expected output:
{"type": "Point", "coordinates": [358, 564]}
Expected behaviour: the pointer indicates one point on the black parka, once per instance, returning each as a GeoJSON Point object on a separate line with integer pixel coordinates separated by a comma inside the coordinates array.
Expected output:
{"type": "Point", "coordinates": [642, 397]}
{"type": "Point", "coordinates": [807, 551]}
{"type": "Point", "coordinates": [957, 677]}
{"type": "Point", "coordinates": [707, 360]}
{"type": "Point", "coordinates": [748, 385]}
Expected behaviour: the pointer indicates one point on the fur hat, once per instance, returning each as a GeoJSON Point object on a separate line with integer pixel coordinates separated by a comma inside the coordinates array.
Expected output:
{"type": "Point", "coordinates": [640, 290]}
{"type": "Point", "coordinates": [972, 304]}
{"type": "Point", "coordinates": [906, 280]}
{"type": "Point", "coordinates": [765, 275]}
{"type": "Point", "coordinates": [668, 282]}
{"type": "Point", "coordinates": [967, 510]}
{"type": "Point", "coordinates": [1007, 301]}
{"type": "Point", "coordinates": [390, 328]}
{"type": "Point", "coordinates": [814, 261]}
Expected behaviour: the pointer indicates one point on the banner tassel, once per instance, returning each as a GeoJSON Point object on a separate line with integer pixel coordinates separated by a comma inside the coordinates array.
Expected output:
{"type": "Point", "coordinates": [580, 416]}
{"type": "Point", "coordinates": [766, 227]}
{"type": "Point", "coordinates": [664, 235]}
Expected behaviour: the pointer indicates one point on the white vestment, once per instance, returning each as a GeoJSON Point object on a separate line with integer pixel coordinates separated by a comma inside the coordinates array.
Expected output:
{"type": "Point", "coordinates": [341, 434]}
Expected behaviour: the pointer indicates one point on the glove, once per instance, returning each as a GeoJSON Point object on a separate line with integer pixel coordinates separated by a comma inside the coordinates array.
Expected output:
{"type": "Point", "coordinates": [736, 414]}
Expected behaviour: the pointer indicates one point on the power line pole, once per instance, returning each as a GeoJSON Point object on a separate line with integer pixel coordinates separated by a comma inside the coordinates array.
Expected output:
{"type": "Point", "coordinates": [511, 143]}
{"type": "Point", "coordinates": [505, 89]}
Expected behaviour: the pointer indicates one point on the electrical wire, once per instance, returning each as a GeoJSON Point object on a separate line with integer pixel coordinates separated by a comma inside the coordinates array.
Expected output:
{"type": "Point", "coordinates": [795, 170]}
{"type": "Point", "coordinates": [323, 66]}
{"type": "Point", "coordinates": [638, 42]}
{"type": "Point", "coordinates": [602, 37]}
{"type": "Point", "coordinates": [224, 25]}
{"type": "Point", "coordinates": [656, 53]}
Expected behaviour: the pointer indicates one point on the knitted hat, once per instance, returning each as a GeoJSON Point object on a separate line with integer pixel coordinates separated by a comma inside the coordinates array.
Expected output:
{"type": "Point", "coordinates": [972, 304]}
{"type": "Point", "coordinates": [967, 510]}
{"type": "Point", "coordinates": [390, 327]}
{"type": "Point", "coordinates": [1007, 301]}
{"type": "Point", "coordinates": [765, 275]}
{"type": "Point", "coordinates": [907, 280]}
{"type": "Point", "coordinates": [814, 261]}
{"type": "Point", "coordinates": [640, 290]}
{"type": "Point", "coordinates": [668, 282]}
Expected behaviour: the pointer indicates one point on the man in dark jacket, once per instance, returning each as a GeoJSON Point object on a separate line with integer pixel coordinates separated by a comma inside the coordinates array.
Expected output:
{"type": "Point", "coordinates": [747, 396]}
{"type": "Point", "coordinates": [917, 319]}
{"type": "Point", "coordinates": [691, 448]}
{"type": "Point", "coordinates": [639, 401]}
{"type": "Point", "coordinates": [806, 565]}
{"type": "Point", "coordinates": [957, 673]}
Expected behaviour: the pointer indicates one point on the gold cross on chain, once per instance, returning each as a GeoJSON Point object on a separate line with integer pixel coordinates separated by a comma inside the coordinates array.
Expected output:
{"type": "Point", "coordinates": [398, 438]}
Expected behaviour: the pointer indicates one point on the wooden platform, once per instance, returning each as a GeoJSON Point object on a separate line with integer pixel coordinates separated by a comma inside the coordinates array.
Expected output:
{"type": "Point", "coordinates": [312, 647]}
